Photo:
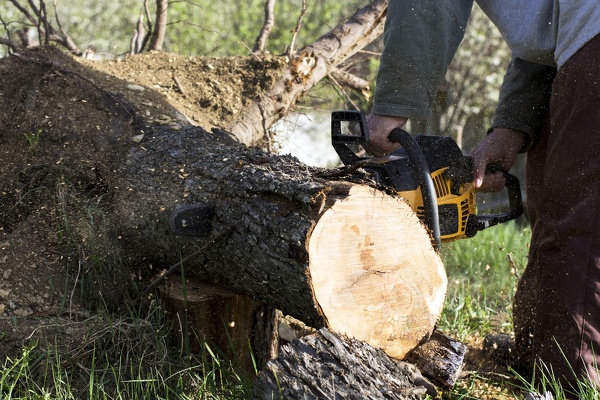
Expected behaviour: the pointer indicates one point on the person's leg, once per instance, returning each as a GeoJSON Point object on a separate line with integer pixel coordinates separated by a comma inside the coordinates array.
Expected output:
{"type": "Point", "coordinates": [525, 300]}
{"type": "Point", "coordinates": [567, 314]}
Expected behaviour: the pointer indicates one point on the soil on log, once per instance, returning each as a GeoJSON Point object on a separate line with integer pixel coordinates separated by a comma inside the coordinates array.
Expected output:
{"type": "Point", "coordinates": [85, 173]}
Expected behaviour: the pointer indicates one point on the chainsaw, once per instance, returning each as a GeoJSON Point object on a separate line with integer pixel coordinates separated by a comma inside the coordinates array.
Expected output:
{"type": "Point", "coordinates": [430, 172]}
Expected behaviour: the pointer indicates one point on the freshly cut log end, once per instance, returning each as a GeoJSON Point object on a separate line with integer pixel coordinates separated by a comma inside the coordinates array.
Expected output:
{"type": "Point", "coordinates": [375, 274]}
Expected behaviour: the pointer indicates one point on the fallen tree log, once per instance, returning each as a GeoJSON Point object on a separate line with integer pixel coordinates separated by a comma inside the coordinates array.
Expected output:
{"type": "Point", "coordinates": [329, 366]}
{"type": "Point", "coordinates": [332, 253]}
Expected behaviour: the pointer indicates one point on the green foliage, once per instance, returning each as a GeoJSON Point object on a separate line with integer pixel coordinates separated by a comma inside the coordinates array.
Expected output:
{"type": "Point", "coordinates": [216, 28]}
{"type": "Point", "coordinates": [231, 27]}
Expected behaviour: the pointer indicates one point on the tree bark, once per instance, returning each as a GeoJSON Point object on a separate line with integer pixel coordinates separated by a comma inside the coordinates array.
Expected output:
{"type": "Point", "coordinates": [329, 366]}
{"type": "Point", "coordinates": [160, 26]}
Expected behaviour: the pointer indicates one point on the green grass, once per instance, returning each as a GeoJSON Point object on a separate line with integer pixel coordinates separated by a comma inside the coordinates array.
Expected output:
{"type": "Point", "coordinates": [120, 358]}
{"type": "Point", "coordinates": [482, 277]}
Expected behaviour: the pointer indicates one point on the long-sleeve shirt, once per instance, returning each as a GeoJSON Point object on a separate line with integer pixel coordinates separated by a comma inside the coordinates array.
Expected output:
{"type": "Point", "coordinates": [421, 37]}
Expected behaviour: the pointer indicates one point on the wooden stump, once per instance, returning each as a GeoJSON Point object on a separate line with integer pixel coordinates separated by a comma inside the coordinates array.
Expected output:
{"type": "Point", "coordinates": [233, 325]}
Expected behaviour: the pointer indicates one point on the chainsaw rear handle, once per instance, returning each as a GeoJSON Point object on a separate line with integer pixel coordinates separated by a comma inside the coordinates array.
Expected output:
{"type": "Point", "coordinates": [478, 223]}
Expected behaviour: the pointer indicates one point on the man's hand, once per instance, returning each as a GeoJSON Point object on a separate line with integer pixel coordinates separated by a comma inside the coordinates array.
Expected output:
{"type": "Point", "coordinates": [380, 127]}
{"type": "Point", "coordinates": [500, 148]}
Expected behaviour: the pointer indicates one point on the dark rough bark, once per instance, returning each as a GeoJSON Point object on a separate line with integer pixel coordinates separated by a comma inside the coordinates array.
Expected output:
{"type": "Point", "coordinates": [267, 201]}
{"type": "Point", "coordinates": [328, 366]}
{"type": "Point", "coordinates": [440, 358]}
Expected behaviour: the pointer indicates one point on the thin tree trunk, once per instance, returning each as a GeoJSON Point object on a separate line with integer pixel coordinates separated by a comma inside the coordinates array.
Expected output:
{"type": "Point", "coordinates": [160, 26]}
{"type": "Point", "coordinates": [261, 40]}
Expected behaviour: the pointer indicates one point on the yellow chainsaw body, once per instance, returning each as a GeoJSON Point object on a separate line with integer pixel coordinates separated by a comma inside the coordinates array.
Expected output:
{"type": "Point", "coordinates": [454, 209]}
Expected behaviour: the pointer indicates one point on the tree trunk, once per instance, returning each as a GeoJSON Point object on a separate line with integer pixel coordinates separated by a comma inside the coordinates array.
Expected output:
{"type": "Point", "coordinates": [160, 25]}
{"type": "Point", "coordinates": [329, 366]}
{"type": "Point", "coordinates": [331, 253]}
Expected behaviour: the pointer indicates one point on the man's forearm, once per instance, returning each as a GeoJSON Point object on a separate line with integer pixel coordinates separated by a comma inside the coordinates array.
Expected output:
{"type": "Point", "coordinates": [524, 98]}
{"type": "Point", "coordinates": [421, 37]}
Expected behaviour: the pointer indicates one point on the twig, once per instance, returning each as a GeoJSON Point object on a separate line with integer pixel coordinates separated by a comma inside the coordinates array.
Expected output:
{"type": "Point", "coordinates": [513, 266]}
{"type": "Point", "coordinates": [265, 31]}
{"type": "Point", "coordinates": [336, 83]}
{"type": "Point", "coordinates": [352, 81]}
{"type": "Point", "coordinates": [266, 131]}
{"type": "Point", "coordinates": [297, 28]}
{"type": "Point", "coordinates": [7, 42]}
{"type": "Point", "coordinates": [178, 83]}
{"type": "Point", "coordinates": [176, 266]}
{"type": "Point", "coordinates": [73, 291]}
{"type": "Point", "coordinates": [343, 171]}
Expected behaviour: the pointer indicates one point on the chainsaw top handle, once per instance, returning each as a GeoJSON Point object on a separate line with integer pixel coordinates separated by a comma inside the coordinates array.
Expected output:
{"type": "Point", "coordinates": [421, 171]}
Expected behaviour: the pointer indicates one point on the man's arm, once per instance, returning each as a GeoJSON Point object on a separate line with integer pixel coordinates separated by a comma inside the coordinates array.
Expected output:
{"type": "Point", "coordinates": [420, 39]}
{"type": "Point", "coordinates": [524, 98]}
{"type": "Point", "coordinates": [522, 107]}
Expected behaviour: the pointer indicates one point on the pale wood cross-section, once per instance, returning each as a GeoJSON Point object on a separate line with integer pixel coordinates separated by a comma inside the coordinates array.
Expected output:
{"type": "Point", "coordinates": [374, 272]}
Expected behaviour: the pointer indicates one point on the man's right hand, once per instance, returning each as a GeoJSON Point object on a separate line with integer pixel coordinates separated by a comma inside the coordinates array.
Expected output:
{"type": "Point", "coordinates": [380, 127]}
{"type": "Point", "coordinates": [500, 148]}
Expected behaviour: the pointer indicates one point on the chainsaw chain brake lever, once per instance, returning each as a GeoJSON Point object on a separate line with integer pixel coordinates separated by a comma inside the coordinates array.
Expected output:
{"type": "Point", "coordinates": [341, 140]}
{"type": "Point", "coordinates": [478, 223]}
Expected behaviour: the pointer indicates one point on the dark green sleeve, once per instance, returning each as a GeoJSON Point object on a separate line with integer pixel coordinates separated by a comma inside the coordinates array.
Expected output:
{"type": "Point", "coordinates": [420, 39]}
{"type": "Point", "coordinates": [524, 98]}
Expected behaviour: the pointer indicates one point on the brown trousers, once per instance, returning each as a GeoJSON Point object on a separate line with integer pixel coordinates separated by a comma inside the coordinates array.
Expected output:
{"type": "Point", "coordinates": [557, 304]}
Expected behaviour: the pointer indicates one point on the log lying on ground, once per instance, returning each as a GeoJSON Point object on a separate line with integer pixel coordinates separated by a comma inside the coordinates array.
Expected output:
{"type": "Point", "coordinates": [329, 366]}
{"type": "Point", "coordinates": [330, 253]}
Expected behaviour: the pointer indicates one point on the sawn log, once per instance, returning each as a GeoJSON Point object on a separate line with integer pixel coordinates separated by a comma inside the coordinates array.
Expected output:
{"type": "Point", "coordinates": [330, 252]}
